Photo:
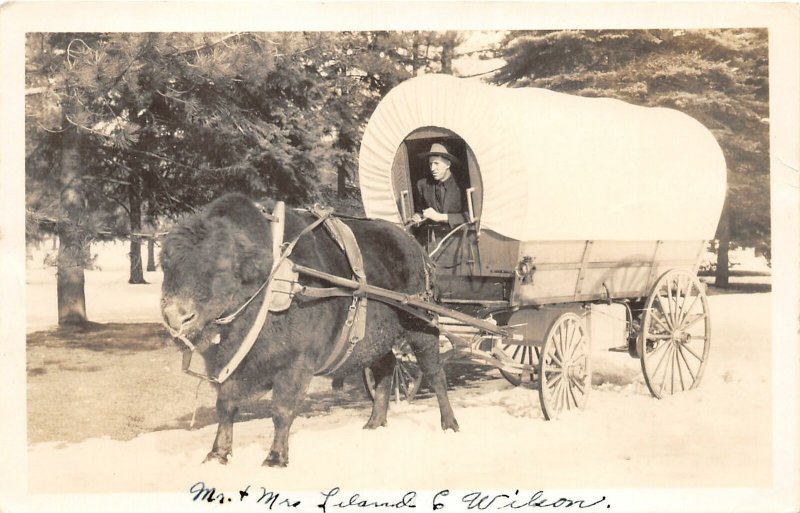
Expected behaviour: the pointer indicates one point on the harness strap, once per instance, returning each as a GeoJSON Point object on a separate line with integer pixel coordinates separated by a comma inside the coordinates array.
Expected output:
{"type": "Point", "coordinates": [276, 250]}
{"type": "Point", "coordinates": [355, 323]}
{"type": "Point", "coordinates": [261, 318]}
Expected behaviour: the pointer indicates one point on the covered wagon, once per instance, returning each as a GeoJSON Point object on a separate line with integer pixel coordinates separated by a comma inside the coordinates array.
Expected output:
{"type": "Point", "coordinates": [571, 202]}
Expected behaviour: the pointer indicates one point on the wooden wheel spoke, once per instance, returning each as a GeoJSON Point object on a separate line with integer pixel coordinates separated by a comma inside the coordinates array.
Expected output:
{"type": "Point", "coordinates": [661, 360]}
{"type": "Point", "coordinates": [659, 336]}
{"type": "Point", "coordinates": [557, 350]}
{"type": "Point", "coordinates": [577, 344]}
{"type": "Point", "coordinates": [558, 339]}
{"type": "Point", "coordinates": [553, 380]}
{"type": "Point", "coordinates": [400, 371]}
{"type": "Point", "coordinates": [672, 302]}
{"type": "Point", "coordinates": [672, 373]}
{"type": "Point", "coordinates": [684, 297]}
{"type": "Point", "coordinates": [686, 362]}
{"type": "Point", "coordinates": [572, 395]}
{"type": "Point", "coordinates": [689, 349]}
{"type": "Point", "coordinates": [686, 311]}
{"type": "Point", "coordinates": [578, 384]}
{"type": "Point", "coordinates": [552, 357]}
{"type": "Point", "coordinates": [563, 395]}
{"type": "Point", "coordinates": [665, 312]}
{"type": "Point", "coordinates": [694, 321]}
{"type": "Point", "coordinates": [664, 327]}
{"type": "Point", "coordinates": [553, 395]}
{"type": "Point", "coordinates": [680, 372]}
{"type": "Point", "coordinates": [564, 341]}
{"type": "Point", "coordinates": [399, 379]}
{"type": "Point", "coordinates": [580, 356]}
{"type": "Point", "coordinates": [656, 349]}
{"type": "Point", "coordinates": [664, 379]}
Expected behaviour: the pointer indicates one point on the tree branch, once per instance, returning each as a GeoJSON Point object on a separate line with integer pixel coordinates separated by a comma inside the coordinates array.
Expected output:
{"type": "Point", "coordinates": [485, 72]}
{"type": "Point", "coordinates": [107, 179]}
{"type": "Point", "coordinates": [205, 46]}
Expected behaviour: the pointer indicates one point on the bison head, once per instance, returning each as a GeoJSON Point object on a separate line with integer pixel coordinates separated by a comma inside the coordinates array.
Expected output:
{"type": "Point", "coordinates": [211, 265]}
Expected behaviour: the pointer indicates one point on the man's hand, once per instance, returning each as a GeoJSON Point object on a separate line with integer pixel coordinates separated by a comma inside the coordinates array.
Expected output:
{"type": "Point", "coordinates": [416, 219]}
{"type": "Point", "coordinates": [433, 215]}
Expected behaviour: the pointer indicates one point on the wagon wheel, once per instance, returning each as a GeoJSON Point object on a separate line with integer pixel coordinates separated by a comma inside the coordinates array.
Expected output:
{"type": "Point", "coordinates": [526, 355]}
{"type": "Point", "coordinates": [406, 377]}
{"type": "Point", "coordinates": [565, 374]}
{"type": "Point", "coordinates": [676, 334]}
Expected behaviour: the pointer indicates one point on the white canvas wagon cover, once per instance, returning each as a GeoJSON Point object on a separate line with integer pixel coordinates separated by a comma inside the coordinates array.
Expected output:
{"type": "Point", "coordinates": [556, 166]}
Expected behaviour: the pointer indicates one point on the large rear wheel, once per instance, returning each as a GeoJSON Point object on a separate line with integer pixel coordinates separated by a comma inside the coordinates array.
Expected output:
{"type": "Point", "coordinates": [676, 334]}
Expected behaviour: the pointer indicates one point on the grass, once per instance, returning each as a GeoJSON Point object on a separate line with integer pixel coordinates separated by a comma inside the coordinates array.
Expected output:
{"type": "Point", "coordinates": [115, 380]}
{"type": "Point", "coordinates": [739, 288]}
{"type": "Point", "coordinates": [122, 380]}
{"type": "Point", "coordinates": [740, 282]}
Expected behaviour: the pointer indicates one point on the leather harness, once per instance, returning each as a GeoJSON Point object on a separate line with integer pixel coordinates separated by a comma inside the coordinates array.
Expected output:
{"type": "Point", "coordinates": [355, 324]}
{"type": "Point", "coordinates": [282, 286]}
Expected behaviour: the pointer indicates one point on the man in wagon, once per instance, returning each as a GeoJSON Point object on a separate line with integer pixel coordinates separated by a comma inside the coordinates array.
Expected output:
{"type": "Point", "coordinates": [438, 195]}
{"type": "Point", "coordinates": [440, 201]}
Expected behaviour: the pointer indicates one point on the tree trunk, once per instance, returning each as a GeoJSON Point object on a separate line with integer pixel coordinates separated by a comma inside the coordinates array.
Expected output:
{"type": "Point", "coordinates": [135, 204]}
{"type": "Point", "coordinates": [448, 46]}
{"type": "Point", "coordinates": [72, 248]}
{"type": "Point", "coordinates": [341, 181]}
{"type": "Point", "coordinates": [722, 273]}
{"type": "Point", "coordinates": [151, 254]}
{"type": "Point", "coordinates": [415, 54]}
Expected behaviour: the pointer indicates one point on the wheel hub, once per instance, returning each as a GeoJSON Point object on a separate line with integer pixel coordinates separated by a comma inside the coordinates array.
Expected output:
{"type": "Point", "coordinates": [681, 337]}
{"type": "Point", "coordinates": [574, 371]}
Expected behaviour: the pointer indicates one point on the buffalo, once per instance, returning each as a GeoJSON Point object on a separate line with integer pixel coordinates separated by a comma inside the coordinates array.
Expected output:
{"type": "Point", "coordinates": [214, 261]}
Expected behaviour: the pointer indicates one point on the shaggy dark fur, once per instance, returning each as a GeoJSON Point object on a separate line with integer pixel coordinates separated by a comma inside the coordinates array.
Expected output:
{"type": "Point", "coordinates": [214, 261]}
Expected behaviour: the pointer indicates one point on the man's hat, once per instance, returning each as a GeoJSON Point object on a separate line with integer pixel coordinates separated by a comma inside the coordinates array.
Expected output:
{"type": "Point", "coordinates": [439, 150]}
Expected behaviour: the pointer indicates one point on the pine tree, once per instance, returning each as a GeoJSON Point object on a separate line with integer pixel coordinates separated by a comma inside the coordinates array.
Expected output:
{"type": "Point", "coordinates": [163, 122]}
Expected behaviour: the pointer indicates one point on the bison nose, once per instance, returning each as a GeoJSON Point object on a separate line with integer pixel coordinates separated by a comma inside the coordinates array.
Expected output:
{"type": "Point", "coordinates": [178, 314]}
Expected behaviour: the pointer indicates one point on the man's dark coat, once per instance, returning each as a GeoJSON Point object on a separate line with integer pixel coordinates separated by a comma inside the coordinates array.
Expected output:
{"type": "Point", "coordinates": [452, 203]}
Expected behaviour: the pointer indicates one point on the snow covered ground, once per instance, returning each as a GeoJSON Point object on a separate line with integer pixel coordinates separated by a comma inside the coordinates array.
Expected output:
{"type": "Point", "coordinates": [717, 436]}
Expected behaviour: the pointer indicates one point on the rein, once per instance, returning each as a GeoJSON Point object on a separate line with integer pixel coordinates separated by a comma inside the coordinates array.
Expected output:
{"type": "Point", "coordinates": [280, 253]}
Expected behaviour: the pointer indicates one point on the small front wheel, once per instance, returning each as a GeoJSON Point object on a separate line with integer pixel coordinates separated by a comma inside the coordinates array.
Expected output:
{"type": "Point", "coordinates": [522, 354]}
{"type": "Point", "coordinates": [406, 378]}
{"type": "Point", "coordinates": [565, 375]}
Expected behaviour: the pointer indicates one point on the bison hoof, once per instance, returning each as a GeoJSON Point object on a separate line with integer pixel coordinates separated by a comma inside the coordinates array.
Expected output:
{"type": "Point", "coordinates": [220, 457]}
{"type": "Point", "coordinates": [375, 424]}
{"type": "Point", "coordinates": [275, 460]}
{"type": "Point", "coordinates": [450, 424]}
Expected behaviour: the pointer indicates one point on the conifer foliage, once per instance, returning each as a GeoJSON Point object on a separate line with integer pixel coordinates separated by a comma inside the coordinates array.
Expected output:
{"type": "Point", "coordinates": [124, 128]}
{"type": "Point", "coordinates": [127, 131]}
